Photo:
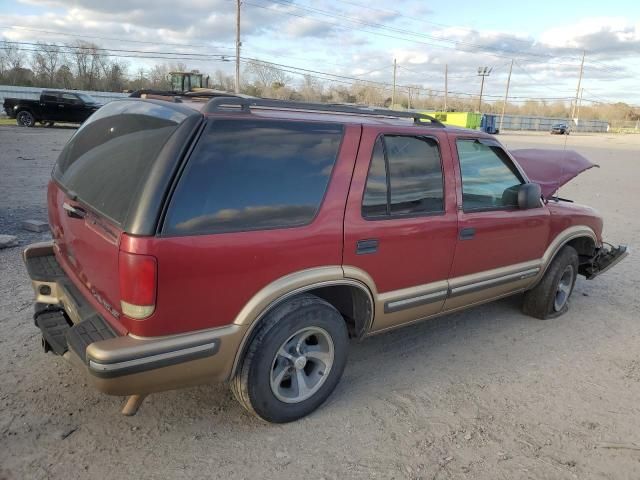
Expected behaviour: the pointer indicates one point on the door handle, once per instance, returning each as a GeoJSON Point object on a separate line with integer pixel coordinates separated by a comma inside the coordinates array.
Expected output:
{"type": "Point", "coordinates": [467, 233]}
{"type": "Point", "coordinates": [365, 247]}
{"type": "Point", "coordinates": [73, 212]}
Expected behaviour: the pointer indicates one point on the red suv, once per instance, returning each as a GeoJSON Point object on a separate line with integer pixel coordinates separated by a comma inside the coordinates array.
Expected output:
{"type": "Point", "coordinates": [248, 240]}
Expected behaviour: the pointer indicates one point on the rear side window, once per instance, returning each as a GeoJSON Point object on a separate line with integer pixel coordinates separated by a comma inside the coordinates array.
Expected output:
{"type": "Point", "coordinates": [405, 178]}
{"type": "Point", "coordinates": [489, 178]}
{"type": "Point", "coordinates": [250, 175]}
{"type": "Point", "coordinates": [106, 162]}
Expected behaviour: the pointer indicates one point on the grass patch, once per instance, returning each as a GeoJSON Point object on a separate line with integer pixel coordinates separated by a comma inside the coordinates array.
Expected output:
{"type": "Point", "coordinates": [7, 121]}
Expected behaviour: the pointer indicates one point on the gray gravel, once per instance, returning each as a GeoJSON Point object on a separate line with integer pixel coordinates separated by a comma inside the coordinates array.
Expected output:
{"type": "Point", "coordinates": [484, 394]}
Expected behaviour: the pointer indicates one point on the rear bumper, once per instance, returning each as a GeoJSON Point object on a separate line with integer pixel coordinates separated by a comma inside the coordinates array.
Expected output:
{"type": "Point", "coordinates": [115, 363]}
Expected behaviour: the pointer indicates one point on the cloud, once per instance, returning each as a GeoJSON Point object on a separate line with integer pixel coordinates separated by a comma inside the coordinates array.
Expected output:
{"type": "Point", "coordinates": [308, 27]}
{"type": "Point", "coordinates": [614, 36]}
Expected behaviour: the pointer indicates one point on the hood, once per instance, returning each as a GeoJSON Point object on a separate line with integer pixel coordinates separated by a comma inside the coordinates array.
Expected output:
{"type": "Point", "coordinates": [551, 169]}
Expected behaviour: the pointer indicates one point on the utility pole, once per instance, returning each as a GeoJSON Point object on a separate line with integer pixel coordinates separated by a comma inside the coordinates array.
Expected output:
{"type": "Point", "coordinates": [238, 43]}
{"type": "Point", "coordinates": [482, 72]}
{"type": "Point", "coordinates": [506, 95]}
{"type": "Point", "coordinates": [579, 105]}
{"type": "Point", "coordinates": [393, 92]}
{"type": "Point", "coordinates": [573, 111]}
{"type": "Point", "coordinates": [446, 85]}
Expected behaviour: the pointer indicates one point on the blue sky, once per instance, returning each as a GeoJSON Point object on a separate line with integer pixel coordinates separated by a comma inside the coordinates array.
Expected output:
{"type": "Point", "coordinates": [360, 38]}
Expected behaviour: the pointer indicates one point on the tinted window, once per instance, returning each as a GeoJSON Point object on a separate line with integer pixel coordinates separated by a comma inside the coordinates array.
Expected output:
{"type": "Point", "coordinates": [411, 167]}
{"type": "Point", "coordinates": [375, 201]}
{"type": "Point", "coordinates": [69, 98]}
{"type": "Point", "coordinates": [109, 157]}
{"type": "Point", "coordinates": [489, 178]}
{"type": "Point", "coordinates": [49, 97]}
{"type": "Point", "coordinates": [248, 175]}
{"type": "Point", "coordinates": [86, 98]}
{"type": "Point", "coordinates": [415, 175]}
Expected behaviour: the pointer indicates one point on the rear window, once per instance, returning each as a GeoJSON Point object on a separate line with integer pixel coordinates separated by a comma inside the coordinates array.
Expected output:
{"type": "Point", "coordinates": [254, 174]}
{"type": "Point", "coordinates": [108, 159]}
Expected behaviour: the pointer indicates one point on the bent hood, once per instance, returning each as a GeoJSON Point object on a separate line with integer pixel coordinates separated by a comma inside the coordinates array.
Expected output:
{"type": "Point", "coordinates": [551, 169]}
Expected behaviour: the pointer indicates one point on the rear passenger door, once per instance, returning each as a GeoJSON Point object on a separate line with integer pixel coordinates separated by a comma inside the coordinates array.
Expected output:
{"type": "Point", "coordinates": [49, 105]}
{"type": "Point", "coordinates": [400, 223]}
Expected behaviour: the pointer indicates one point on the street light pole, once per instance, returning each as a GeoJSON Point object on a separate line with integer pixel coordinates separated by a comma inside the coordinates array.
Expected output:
{"type": "Point", "coordinates": [482, 72]}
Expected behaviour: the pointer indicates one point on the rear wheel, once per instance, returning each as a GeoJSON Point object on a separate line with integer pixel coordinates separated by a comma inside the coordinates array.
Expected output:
{"type": "Point", "coordinates": [24, 118]}
{"type": "Point", "coordinates": [550, 298]}
{"type": "Point", "coordinates": [294, 361]}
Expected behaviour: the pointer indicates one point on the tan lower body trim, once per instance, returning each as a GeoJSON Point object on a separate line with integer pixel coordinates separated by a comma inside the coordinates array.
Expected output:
{"type": "Point", "coordinates": [477, 288]}
{"type": "Point", "coordinates": [214, 368]}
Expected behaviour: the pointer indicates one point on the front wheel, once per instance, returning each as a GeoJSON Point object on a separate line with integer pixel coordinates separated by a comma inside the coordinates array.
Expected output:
{"type": "Point", "coordinates": [294, 361]}
{"type": "Point", "coordinates": [25, 118]}
{"type": "Point", "coordinates": [550, 298]}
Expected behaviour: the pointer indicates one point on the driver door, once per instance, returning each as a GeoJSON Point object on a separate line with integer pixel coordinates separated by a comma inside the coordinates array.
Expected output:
{"type": "Point", "coordinates": [499, 246]}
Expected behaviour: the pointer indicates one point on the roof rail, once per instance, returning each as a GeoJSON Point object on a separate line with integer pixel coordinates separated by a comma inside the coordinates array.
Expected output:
{"type": "Point", "coordinates": [245, 105]}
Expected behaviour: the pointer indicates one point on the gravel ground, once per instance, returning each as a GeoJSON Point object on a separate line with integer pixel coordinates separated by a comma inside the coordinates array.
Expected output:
{"type": "Point", "coordinates": [484, 394]}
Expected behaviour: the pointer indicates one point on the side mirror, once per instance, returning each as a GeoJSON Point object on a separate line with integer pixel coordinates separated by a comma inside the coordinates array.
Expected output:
{"type": "Point", "coordinates": [529, 196]}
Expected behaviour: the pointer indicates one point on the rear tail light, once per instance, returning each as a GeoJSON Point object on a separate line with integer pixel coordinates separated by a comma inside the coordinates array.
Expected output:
{"type": "Point", "coordinates": [138, 276]}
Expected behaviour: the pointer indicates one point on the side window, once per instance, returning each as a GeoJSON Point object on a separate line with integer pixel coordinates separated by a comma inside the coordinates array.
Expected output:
{"type": "Point", "coordinates": [69, 99]}
{"type": "Point", "coordinates": [50, 97]}
{"type": "Point", "coordinates": [489, 178]}
{"type": "Point", "coordinates": [253, 175]}
{"type": "Point", "coordinates": [376, 202]}
{"type": "Point", "coordinates": [405, 178]}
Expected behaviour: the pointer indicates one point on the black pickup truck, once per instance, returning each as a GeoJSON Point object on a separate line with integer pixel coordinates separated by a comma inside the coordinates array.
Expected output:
{"type": "Point", "coordinates": [53, 106]}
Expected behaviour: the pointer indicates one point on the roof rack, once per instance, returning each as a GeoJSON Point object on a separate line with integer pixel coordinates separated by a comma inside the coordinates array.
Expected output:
{"type": "Point", "coordinates": [245, 105]}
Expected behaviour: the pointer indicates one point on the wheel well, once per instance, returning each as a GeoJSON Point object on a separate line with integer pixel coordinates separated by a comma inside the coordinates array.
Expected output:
{"type": "Point", "coordinates": [585, 246]}
{"type": "Point", "coordinates": [353, 303]}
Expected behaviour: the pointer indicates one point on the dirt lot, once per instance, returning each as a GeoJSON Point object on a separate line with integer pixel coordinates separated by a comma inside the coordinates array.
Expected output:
{"type": "Point", "coordinates": [484, 394]}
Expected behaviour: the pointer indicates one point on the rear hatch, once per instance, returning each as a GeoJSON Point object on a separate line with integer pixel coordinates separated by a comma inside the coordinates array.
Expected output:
{"type": "Point", "coordinates": [97, 183]}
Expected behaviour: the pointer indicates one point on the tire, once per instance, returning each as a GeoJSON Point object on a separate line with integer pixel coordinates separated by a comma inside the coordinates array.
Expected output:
{"type": "Point", "coordinates": [550, 298]}
{"type": "Point", "coordinates": [266, 383]}
{"type": "Point", "coordinates": [24, 118]}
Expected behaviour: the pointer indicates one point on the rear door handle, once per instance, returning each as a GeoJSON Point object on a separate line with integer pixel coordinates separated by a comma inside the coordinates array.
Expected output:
{"type": "Point", "coordinates": [365, 247]}
{"type": "Point", "coordinates": [73, 212]}
{"type": "Point", "coordinates": [467, 233]}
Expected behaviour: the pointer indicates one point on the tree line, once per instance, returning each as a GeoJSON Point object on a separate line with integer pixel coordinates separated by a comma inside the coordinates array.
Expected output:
{"type": "Point", "coordinates": [84, 65]}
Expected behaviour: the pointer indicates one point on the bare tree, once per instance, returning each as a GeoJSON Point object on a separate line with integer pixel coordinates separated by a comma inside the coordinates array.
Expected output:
{"type": "Point", "coordinates": [223, 81]}
{"type": "Point", "coordinates": [89, 60]}
{"type": "Point", "coordinates": [14, 63]}
{"type": "Point", "coordinates": [64, 77]}
{"type": "Point", "coordinates": [311, 89]}
{"type": "Point", "coordinates": [159, 77]}
{"type": "Point", "coordinates": [45, 62]}
{"type": "Point", "coordinates": [114, 75]}
{"type": "Point", "coordinates": [267, 75]}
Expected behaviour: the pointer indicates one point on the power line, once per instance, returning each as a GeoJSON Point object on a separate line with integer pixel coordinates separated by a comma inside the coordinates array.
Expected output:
{"type": "Point", "coordinates": [330, 77]}
{"type": "Point", "coordinates": [124, 40]}
{"type": "Point", "coordinates": [456, 43]}
{"type": "Point", "coordinates": [96, 48]}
